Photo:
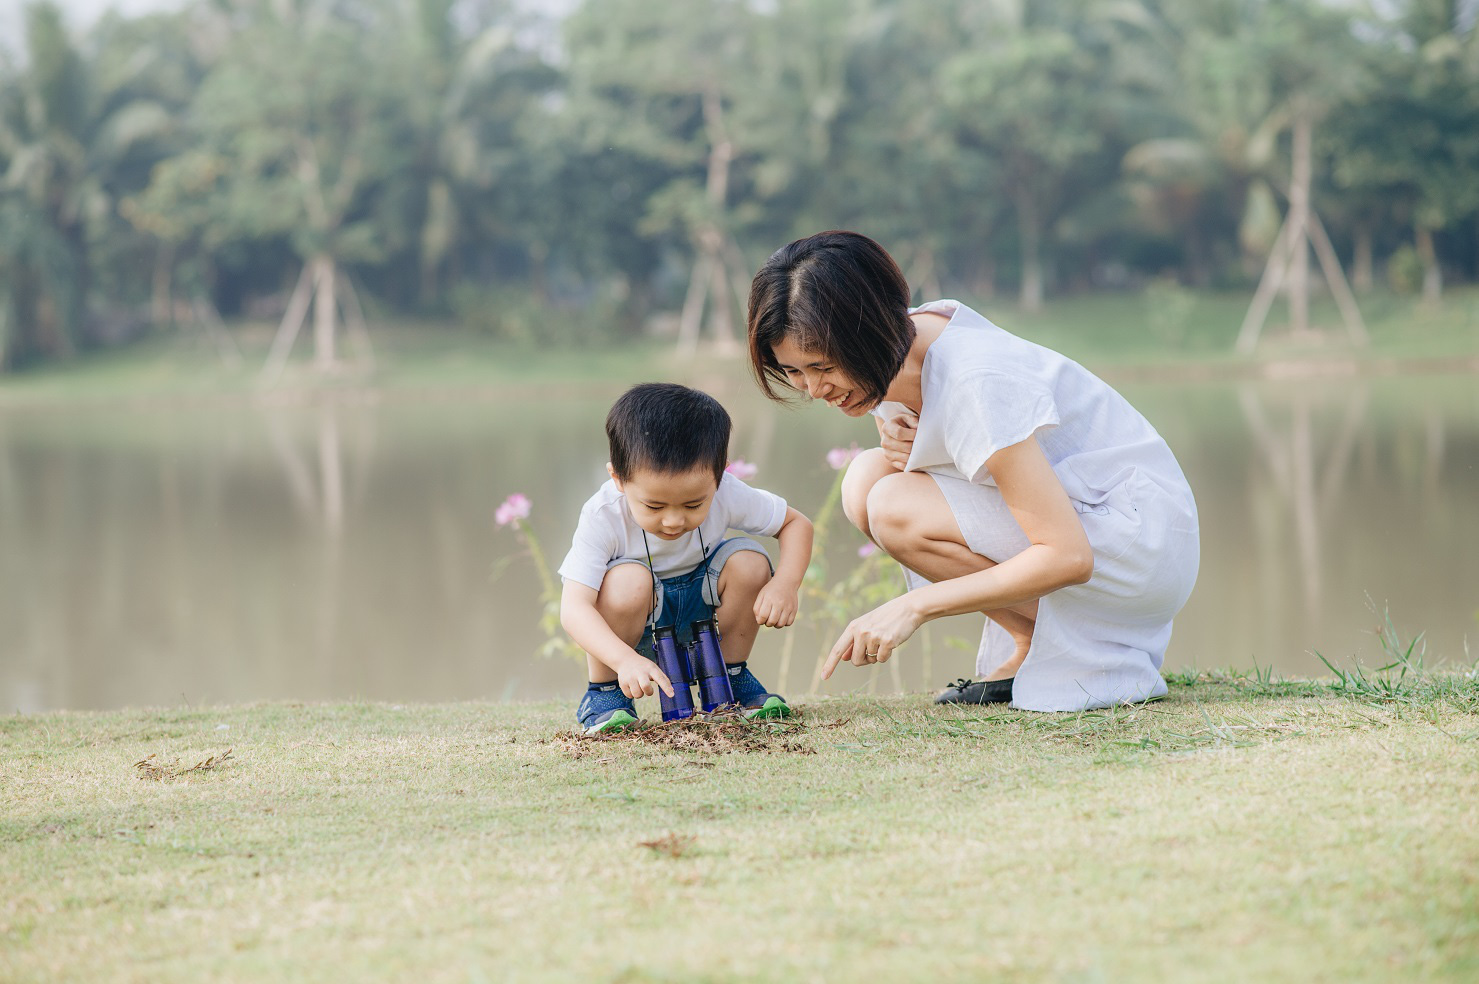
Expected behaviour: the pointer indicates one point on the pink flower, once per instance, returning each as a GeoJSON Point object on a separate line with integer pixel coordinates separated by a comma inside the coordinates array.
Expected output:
{"type": "Point", "coordinates": [838, 458]}
{"type": "Point", "coordinates": [515, 507]}
{"type": "Point", "coordinates": [742, 469]}
{"type": "Point", "coordinates": [867, 550]}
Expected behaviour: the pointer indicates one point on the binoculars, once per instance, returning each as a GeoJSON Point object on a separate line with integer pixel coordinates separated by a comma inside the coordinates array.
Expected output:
{"type": "Point", "coordinates": [701, 662]}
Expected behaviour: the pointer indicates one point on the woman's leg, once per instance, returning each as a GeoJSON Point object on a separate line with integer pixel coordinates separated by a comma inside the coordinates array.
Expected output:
{"type": "Point", "coordinates": [864, 472]}
{"type": "Point", "coordinates": [909, 518]}
{"type": "Point", "coordinates": [625, 602]}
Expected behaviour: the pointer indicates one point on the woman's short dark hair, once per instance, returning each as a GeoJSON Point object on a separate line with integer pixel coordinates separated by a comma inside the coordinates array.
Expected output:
{"type": "Point", "coordinates": [837, 293]}
{"type": "Point", "coordinates": [667, 428]}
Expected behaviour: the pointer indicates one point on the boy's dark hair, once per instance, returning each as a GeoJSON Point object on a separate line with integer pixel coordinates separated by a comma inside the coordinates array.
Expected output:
{"type": "Point", "coordinates": [667, 428]}
{"type": "Point", "coordinates": [837, 293]}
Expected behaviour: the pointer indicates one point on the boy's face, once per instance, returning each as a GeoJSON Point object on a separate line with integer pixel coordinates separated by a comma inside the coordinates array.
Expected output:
{"type": "Point", "coordinates": [668, 504]}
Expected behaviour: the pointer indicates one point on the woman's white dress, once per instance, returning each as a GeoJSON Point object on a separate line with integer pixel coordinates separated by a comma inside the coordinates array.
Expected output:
{"type": "Point", "coordinates": [1097, 643]}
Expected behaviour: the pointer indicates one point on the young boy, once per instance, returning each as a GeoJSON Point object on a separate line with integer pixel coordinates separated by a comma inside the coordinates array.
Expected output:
{"type": "Point", "coordinates": [650, 550]}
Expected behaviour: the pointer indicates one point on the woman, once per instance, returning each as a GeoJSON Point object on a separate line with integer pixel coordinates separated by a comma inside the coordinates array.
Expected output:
{"type": "Point", "coordinates": [1009, 480]}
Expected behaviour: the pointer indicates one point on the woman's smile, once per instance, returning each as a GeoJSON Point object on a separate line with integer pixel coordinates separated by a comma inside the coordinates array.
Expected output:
{"type": "Point", "coordinates": [817, 377]}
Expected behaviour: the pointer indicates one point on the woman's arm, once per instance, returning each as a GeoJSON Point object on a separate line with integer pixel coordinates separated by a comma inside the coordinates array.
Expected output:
{"type": "Point", "coordinates": [1058, 555]}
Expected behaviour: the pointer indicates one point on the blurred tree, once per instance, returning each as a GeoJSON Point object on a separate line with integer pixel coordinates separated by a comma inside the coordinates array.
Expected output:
{"type": "Point", "coordinates": [1313, 60]}
{"type": "Point", "coordinates": [307, 109]}
{"type": "Point", "coordinates": [1239, 74]}
{"type": "Point", "coordinates": [164, 58]}
{"type": "Point", "coordinates": [1212, 170]}
{"type": "Point", "coordinates": [664, 81]}
{"type": "Point", "coordinates": [851, 133]}
{"type": "Point", "coordinates": [1410, 142]}
{"type": "Point", "coordinates": [474, 94]}
{"type": "Point", "coordinates": [74, 135]}
{"type": "Point", "coordinates": [1029, 90]}
{"type": "Point", "coordinates": [462, 156]}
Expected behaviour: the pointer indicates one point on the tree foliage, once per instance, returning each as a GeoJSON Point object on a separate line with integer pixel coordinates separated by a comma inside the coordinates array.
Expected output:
{"type": "Point", "coordinates": [631, 158]}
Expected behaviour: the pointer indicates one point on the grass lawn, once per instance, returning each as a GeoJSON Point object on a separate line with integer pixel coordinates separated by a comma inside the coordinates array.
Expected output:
{"type": "Point", "coordinates": [1242, 829]}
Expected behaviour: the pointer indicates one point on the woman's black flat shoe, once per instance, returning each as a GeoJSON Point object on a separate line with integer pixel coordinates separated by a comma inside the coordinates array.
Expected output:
{"type": "Point", "coordinates": [977, 692]}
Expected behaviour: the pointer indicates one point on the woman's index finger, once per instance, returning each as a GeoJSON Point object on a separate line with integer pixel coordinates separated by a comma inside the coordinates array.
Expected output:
{"type": "Point", "coordinates": [843, 646]}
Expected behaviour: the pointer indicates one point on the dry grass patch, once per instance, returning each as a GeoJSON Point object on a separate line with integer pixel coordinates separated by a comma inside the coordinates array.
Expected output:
{"type": "Point", "coordinates": [670, 844]}
{"type": "Point", "coordinates": [149, 767]}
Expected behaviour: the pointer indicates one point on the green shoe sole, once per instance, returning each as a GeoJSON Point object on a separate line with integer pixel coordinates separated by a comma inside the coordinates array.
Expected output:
{"type": "Point", "coordinates": [619, 721]}
{"type": "Point", "coordinates": [774, 707]}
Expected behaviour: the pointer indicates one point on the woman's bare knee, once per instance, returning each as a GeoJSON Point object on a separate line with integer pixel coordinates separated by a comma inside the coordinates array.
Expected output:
{"type": "Point", "coordinates": [865, 471]}
{"type": "Point", "coordinates": [893, 511]}
{"type": "Point", "coordinates": [909, 518]}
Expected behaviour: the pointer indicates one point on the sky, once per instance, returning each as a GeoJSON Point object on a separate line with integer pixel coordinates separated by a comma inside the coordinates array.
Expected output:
{"type": "Point", "coordinates": [81, 13]}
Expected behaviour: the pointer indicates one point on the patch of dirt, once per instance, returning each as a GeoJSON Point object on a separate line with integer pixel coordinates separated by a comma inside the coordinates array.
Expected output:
{"type": "Point", "coordinates": [705, 734]}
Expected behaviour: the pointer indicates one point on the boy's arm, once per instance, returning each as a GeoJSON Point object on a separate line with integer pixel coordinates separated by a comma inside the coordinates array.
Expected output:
{"type": "Point", "coordinates": [578, 616]}
{"type": "Point", "coordinates": [777, 602]}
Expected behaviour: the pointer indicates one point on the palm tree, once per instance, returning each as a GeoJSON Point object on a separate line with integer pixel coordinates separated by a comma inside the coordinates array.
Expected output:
{"type": "Point", "coordinates": [71, 140]}
{"type": "Point", "coordinates": [1242, 74]}
{"type": "Point", "coordinates": [307, 135]}
{"type": "Point", "coordinates": [468, 113]}
{"type": "Point", "coordinates": [44, 194]}
{"type": "Point", "coordinates": [677, 72]}
{"type": "Point", "coordinates": [1033, 92]}
{"type": "Point", "coordinates": [1409, 142]}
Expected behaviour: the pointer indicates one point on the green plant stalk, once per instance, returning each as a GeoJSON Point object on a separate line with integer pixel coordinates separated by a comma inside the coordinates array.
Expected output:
{"type": "Point", "coordinates": [556, 643]}
{"type": "Point", "coordinates": [546, 579]}
{"type": "Point", "coordinates": [822, 521]}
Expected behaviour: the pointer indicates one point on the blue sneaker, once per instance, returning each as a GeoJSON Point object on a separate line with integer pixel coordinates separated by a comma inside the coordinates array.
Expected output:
{"type": "Point", "coordinates": [753, 698]}
{"type": "Point", "coordinates": [605, 708]}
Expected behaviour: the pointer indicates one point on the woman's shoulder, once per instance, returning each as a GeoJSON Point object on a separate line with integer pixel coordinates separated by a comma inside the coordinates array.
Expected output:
{"type": "Point", "coordinates": [972, 344]}
{"type": "Point", "coordinates": [943, 306]}
{"type": "Point", "coordinates": [972, 347]}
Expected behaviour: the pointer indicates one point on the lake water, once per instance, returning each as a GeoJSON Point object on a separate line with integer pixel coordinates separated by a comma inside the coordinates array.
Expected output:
{"type": "Point", "coordinates": [344, 546]}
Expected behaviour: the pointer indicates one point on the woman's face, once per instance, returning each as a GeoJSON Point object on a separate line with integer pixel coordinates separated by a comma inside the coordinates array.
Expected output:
{"type": "Point", "coordinates": [819, 378]}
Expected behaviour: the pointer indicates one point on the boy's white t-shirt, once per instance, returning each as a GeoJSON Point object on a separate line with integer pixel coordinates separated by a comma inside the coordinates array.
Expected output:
{"type": "Point", "coordinates": [607, 532]}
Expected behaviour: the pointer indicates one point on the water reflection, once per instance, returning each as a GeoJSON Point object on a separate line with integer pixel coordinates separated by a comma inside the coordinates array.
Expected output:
{"type": "Point", "coordinates": [1302, 474]}
{"type": "Point", "coordinates": [1354, 500]}
{"type": "Point", "coordinates": [345, 547]}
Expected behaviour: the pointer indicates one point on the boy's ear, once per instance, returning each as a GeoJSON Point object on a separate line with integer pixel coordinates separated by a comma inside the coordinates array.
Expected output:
{"type": "Point", "coordinates": [612, 472]}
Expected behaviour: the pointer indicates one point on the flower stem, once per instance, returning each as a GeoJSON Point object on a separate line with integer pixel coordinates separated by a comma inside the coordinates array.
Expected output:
{"type": "Point", "coordinates": [540, 564]}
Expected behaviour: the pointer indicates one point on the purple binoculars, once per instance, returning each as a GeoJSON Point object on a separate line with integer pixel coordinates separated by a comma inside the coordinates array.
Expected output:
{"type": "Point", "coordinates": [701, 662]}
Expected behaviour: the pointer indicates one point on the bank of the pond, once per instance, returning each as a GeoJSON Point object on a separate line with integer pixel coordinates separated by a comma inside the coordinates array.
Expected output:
{"type": "Point", "coordinates": [1242, 829]}
{"type": "Point", "coordinates": [1125, 336]}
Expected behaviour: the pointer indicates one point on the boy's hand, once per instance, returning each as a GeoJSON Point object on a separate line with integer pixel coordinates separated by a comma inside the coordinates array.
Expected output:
{"type": "Point", "coordinates": [776, 605]}
{"type": "Point", "coordinates": [638, 675]}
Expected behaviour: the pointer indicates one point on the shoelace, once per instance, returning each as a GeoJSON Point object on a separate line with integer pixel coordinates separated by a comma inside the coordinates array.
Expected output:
{"type": "Point", "coordinates": [961, 684]}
